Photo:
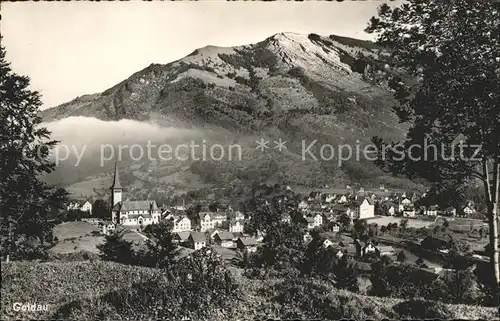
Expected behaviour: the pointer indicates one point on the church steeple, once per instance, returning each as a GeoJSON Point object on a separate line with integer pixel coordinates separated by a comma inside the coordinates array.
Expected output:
{"type": "Point", "coordinates": [116, 179]}
{"type": "Point", "coordinates": [116, 188]}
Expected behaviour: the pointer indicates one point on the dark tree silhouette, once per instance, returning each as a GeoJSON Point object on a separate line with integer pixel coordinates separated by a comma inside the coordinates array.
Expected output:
{"type": "Point", "coordinates": [26, 202]}
{"type": "Point", "coordinates": [161, 249]}
{"type": "Point", "coordinates": [101, 209]}
{"type": "Point", "coordinates": [449, 97]}
{"type": "Point", "coordinates": [116, 249]}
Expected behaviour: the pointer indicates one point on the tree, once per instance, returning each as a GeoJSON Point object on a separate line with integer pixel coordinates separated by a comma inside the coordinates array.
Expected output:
{"type": "Point", "coordinates": [192, 212]}
{"type": "Point", "coordinates": [161, 250]}
{"type": "Point", "coordinates": [27, 203]}
{"type": "Point", "coordinates": [76, 215]}
{"type": "Point", "coordinates": [456, 286]}
{"type": "Point", "coordinates": [344, 221]}
{"type": "Point", "coordinates": [360, 226]}
{"type": "Point", "coordinates": [214, 207]}
{"type": "Point", "coordinates": [449, 95]}
{"type": "Point", "coordinates": [346, 276]}
{"type": "Point", "coordinates": [116, 249]}
{"type": "Point", "coordinates": [204, 282]}
{"type": "Point", "coordinates": [401, 256]}
{"type": "Point", "coordinates": [101, 209]}
{"type": "Point", "coordinates": [282, 247]}
{"type": "Point", "coordinates": [403, 224]}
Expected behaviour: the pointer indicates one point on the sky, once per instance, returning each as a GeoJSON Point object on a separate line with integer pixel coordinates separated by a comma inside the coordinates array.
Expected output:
{"type": "Point", "coordinates": [69, 49]}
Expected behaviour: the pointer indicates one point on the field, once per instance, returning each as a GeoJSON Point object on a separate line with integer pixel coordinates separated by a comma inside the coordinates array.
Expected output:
{"type": "Point", "coordinates": [463, 224]}
{"type": "Point", "coordinates": [69, 230]}
{"type": "Point", "coordinates": [85, 284]}
{"type": "Point", "coordinates": [412, 222]}
{"type": "Point", "coordinates": [75, 237]}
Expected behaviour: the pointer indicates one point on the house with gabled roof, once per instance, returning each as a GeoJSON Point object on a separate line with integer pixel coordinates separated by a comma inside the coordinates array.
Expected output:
{"type": "Point", "coordinates": [431, 210]}
{"type": "Point", "coordinates": [342, 199]}
{"type": "Point", "coordinates": [468, 210]}
{"type": "Point", "coordinates": [224, 239]}
{"type": "Point", "coordinates": [181, 237]}
{"type": "Point", "coordinates": [181, 224]}
{"type": "Point", "coordinates": [197, 240]}
{"type": "Point", "coordinates": [409, 211]}
{"type": "Point", "coordinates": [86, 207]}
{"type": "Point", "coordinates": [236, 226]}
{"type": "Point", "coordinates": [363, 208]}
{"type": "Point", "coordinates": [247, 244]}
{"type": "Point", "coordinates": [206, 221]}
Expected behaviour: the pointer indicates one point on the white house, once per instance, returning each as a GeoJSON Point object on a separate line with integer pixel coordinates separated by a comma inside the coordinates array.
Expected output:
{"type": "Point", "coordinates": [406, 202]}
{"type": "Point", "coordinates": [391, 210]}
{"type": "Point", "coordinates": [342, 199]}
{"type": "Point", "coordinates": [303, 205]}
{"type": "Point", "coordinates": [369, 248]}
{"type": "Point", "coordinates": [314, 220]}
{"type": "Point", "coordinates": [236, 226]}
{"type": "Point", "coordinates": [431, 211]}
{"type": "Point", "coordinates": [468, 210]}
{"type": "Point", "coordinates": [238, 216]}
{"type": "Point", "coordinates": [409, 211]}
{"type": "Point", "coordinates": [197, 240]}
{"type": "Point", "coordinates": [181, 224]}
{"type": "Point", "coordinates": [286, 218]}
{"type": "Point", "coordinates": [205, 221]}
{"type": "Point", "coordinates": [310, 222]}
{"type": "Point", "coordinates": [318, 219]}
{"type": "Point", "coordinates": [451, 211]}
{"type": "Point", "coordinates": [73, 206]}
{"type": "Point", "coordinates": [327, 243]}
{"type": "Point", "coordinates": [224, 239]}
{"type": "Point", "coordinates": [363, 208]}
{"type": "Point", "coordinates": [108, 228]}
{"type": "Point", "coordinates": [86, 207]}
{"type": "Point", "coordinates": [329, 198]}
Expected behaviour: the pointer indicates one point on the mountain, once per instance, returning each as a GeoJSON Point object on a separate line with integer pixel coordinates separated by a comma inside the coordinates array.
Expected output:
{"type": "Point", "coordinates": [294, 87]}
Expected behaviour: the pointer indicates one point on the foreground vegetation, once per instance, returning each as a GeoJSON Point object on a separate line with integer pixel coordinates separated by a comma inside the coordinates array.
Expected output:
{"type": "Point", "coordinates": [90, 290]}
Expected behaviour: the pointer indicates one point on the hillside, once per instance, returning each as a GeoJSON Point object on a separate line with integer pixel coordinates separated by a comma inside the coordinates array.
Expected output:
{"type": "Point", "coordinates": [84, 291]}
{"type": "Point", "coordinates": [300, 88]}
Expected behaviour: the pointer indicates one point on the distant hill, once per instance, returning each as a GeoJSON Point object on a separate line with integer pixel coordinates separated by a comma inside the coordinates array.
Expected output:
{"type": "Point", "coordinates": [300, 88]}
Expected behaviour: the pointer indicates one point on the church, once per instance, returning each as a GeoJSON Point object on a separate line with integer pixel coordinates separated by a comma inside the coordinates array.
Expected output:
{"type": "Point", "coordinates": [131, 213]}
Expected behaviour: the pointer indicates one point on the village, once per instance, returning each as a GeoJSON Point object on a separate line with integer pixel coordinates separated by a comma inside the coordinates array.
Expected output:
{"type": "Point", "coordinates": [388, 224]}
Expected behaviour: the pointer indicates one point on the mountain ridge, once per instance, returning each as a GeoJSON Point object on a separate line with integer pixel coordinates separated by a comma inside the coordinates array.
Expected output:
{"type": "Point", "coordinates": [295, 87]}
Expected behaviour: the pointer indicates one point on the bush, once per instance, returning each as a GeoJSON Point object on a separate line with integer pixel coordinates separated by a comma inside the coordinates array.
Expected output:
{"type": "Point", "coordinates": [197, 287]}
{"type": "Point", "coordinates": [401, 256]}
{"type": "Point", "coordinates": [421, 309]}
{"type": "Point", "coordinates": [117, 250]}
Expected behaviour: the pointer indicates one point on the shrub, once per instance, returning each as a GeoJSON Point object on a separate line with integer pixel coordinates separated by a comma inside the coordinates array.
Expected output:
{"type": "Point", "coordinates": [241, 80]}
{"type": "Point", "coordinates": [401, 256]}
{"type": "Point", "coordinates": [198, 287]}
{"type": "Point", "coordinates": [116, 249]}
{"type": "Point", "coordinates": [421, 309]}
